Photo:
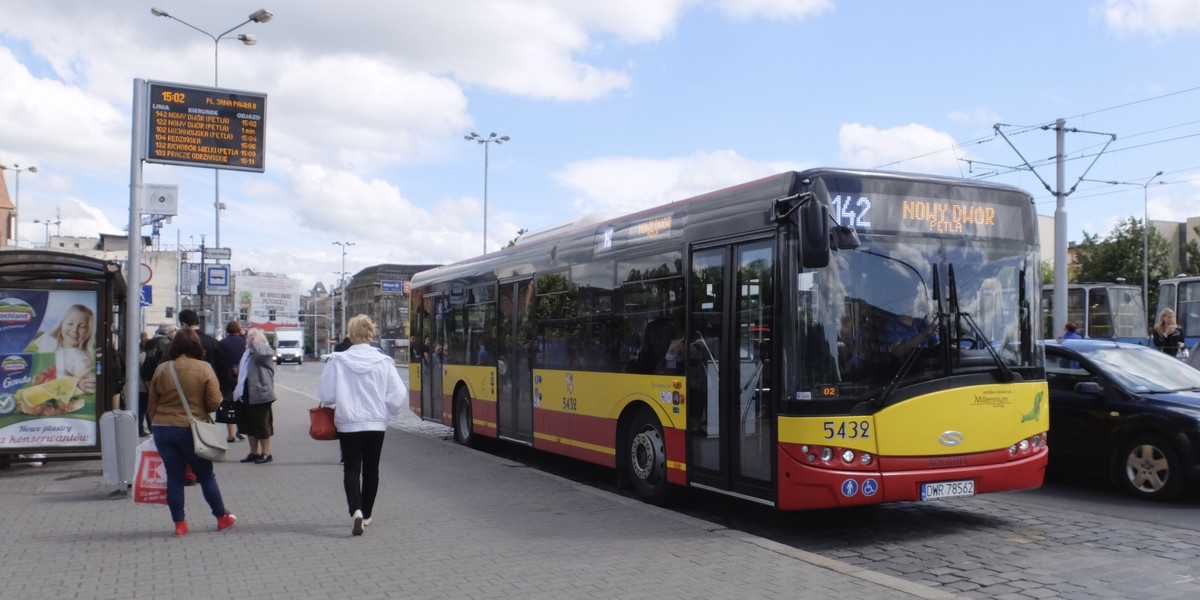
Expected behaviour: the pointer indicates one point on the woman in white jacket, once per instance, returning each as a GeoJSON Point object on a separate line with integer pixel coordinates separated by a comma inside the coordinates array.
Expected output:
{"type": "Point", "coordinates": [365, 390]}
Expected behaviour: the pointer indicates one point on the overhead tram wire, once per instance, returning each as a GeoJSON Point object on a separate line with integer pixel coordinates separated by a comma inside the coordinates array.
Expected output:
{"type": "Point", "coordinates": [1029, 128]}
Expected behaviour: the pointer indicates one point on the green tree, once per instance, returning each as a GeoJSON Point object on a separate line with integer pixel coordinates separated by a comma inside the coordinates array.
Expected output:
{"type": "Point", "coordinates": [1120, 255]}
{"type": "Point", "coordinates": [1047, 273]}
{"type": "Point", "coordinates": [513, 242]}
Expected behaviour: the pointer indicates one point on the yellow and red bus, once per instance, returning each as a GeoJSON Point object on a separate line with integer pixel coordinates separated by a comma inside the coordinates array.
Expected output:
{"type": "Point", "coordinates": [813, 339]}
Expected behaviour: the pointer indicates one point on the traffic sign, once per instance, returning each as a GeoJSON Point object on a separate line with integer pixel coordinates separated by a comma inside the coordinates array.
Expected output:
{"type": "Point", "coordinates": [216, 280]}
{"type": "Point", "coordinates": [218, 253]}
{"type": "Point", "coordinates": [146, 274]}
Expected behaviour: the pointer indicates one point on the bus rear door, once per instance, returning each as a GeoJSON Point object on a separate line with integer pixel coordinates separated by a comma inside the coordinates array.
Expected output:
{"type": "Point", "coordinates": [515, 353]}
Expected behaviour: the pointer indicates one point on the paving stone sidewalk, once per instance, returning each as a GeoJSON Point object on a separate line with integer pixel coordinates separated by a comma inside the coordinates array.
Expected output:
{"type": "Point", "coordinates": [450, 523]}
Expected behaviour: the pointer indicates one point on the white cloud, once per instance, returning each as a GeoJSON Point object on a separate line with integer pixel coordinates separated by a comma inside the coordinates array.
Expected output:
{"type": "Point", "coordinates": [773, 9]}
{"type": "Point", "coordinates": [915, 147]}
{"type": "Point", "coordinates": [626, 184]}
{"type": "Point", "coordinates": [1151, 17]}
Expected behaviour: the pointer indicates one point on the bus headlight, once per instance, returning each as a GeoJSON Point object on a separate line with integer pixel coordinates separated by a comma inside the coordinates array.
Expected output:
{"type": "Point", "coordinates": [827, 454]}
{"type": "Point", "coordinates": [1024, 445]}
{"type": "Point", "coordinates": [848, 455]}
{"type": "Point", "coordinates": [866, 459]}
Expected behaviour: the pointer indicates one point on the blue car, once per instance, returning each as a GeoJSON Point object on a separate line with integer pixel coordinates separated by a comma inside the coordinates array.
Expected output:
{"type": "Point", "coordinates": [1128, 412]}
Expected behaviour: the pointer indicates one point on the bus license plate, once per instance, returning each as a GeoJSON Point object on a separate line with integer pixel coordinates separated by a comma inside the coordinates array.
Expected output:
{"type": "Point", "coordinates": [964, 488]}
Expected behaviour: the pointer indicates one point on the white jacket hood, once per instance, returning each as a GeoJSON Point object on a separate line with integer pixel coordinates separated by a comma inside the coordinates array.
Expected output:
{"type": "Point", "coordinates": [364, 387]}
{"type": "Point", "coordinates": [362, 358]}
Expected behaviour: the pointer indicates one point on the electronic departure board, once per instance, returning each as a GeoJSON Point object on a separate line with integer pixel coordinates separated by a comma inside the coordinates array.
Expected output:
{"type": "Point", "coordinates": [206, 127]}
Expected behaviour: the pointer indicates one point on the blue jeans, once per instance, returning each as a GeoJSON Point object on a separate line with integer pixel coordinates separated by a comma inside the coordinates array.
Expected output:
{"type": "Point", "coordinates": [175, 446]}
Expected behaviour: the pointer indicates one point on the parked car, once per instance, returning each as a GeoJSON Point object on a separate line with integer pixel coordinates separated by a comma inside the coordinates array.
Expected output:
{"type": "Point", "coordinates": [1129, 411]}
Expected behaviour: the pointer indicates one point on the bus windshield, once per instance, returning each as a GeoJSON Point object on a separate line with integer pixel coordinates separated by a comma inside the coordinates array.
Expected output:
{"type": "Point", "coordinates": [903, 309]}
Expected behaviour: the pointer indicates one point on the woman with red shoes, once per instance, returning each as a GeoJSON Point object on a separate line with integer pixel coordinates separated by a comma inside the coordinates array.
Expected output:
{"type": "Point", "coordinates": [172, 432]}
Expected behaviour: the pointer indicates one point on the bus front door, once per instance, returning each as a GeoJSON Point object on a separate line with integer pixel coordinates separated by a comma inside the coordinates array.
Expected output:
{"type": "Point", "coordinates": [730, 416]}
{"type": "Point", "coordinates": [514, 362]}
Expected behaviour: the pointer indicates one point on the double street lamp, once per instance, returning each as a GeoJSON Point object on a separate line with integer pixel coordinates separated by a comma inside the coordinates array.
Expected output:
{"type": "Point", "coordinates": [261, 15]}
{"type": "Point", "coordinates": [47, 223]}
{"type": "Point", "coordinates": [342, 283]}
{"type": "Point", "coordinates": [485, 141]}
{"type": "Point", "coordinates": [1145, 240]}
{"type": "Point", "coordinates": [17, 198]}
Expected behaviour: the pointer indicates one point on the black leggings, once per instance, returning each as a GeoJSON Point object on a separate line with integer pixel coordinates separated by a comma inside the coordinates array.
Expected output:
{"type": "Point", "coordinates": [360, 469]}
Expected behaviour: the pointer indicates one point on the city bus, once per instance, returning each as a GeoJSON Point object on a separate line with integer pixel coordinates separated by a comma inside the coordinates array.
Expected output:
{"type": "Point", "coordinates": [741, 342]}
{"type": "Point", "coordinates": [1100, 310]}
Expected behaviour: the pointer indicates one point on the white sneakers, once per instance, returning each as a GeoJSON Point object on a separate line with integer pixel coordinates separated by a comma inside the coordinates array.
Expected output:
{"type": "Point", "coordinates": [358, 523]}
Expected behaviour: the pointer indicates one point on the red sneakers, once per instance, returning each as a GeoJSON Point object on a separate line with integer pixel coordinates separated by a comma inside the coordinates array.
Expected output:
{"type": "Point", "coordinates": [180, 528]}
{"type": "Point", "coordinates": [226, 521]}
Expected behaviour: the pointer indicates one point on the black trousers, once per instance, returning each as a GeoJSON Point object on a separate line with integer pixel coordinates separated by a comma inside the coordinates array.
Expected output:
{"type": "Point", "coordinates": [360, 469]}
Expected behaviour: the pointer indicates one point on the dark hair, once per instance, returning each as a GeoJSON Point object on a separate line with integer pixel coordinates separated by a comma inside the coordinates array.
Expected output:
{"type": "Point", "coordinates": [185, 343]}
{"type": "Point", "coordinates": [189, 317]}
{"type": "Point", "coordinates": [1071, 326]}
{"type": "Point", "coordinates": [233, 327]}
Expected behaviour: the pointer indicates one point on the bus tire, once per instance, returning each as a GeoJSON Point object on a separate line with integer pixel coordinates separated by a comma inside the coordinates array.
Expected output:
{"type": "Point", "coordinates": [1149, 468]}
{"type": "Point", "coordinates": [464, 432]}
{"type": "Point", "coordinates": [646, 452]}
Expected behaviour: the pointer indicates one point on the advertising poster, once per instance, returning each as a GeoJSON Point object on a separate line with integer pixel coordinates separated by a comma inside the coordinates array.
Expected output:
{"type": "Point", "coordinates": [48, 368]}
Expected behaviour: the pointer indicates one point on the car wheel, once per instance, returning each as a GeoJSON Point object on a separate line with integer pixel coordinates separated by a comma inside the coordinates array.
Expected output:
{"type": "Point", "coordinates": [464, 432]}
{"type": "Point", "coordinates": [1150, 468]}
{"type": "Point", "coordinates": [646, 452]}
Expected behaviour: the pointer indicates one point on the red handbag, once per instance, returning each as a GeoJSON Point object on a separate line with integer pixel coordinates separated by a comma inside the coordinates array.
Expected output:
{"type": "Point", "coordinates": [321, 426]}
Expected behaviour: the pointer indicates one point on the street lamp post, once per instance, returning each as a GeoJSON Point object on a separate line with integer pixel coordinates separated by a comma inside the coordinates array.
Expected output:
{"type": "Point", "coordinates": [485, 141]}
{"type": "Point", "coordinates": [17, 198]}
{"type": "Point", "coordinates": [1145, 239]}
{"type": "Point", "coordinates": [342, 283]}
{"type": "Point", "coordinates": [47, 223]}
{"type": "Point", "coordinates": [261, 15]}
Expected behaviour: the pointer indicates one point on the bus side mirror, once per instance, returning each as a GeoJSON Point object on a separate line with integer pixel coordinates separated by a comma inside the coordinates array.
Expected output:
{"type": "Point", "coordinates": [814, 235]}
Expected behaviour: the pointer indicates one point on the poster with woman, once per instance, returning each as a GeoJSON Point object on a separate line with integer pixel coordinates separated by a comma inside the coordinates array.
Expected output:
{"type": "Point", "coordinates": [49, 353]}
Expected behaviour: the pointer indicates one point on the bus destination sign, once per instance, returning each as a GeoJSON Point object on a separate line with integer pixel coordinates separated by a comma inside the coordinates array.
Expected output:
{"type": "Point", "coordinates": [206, 127]}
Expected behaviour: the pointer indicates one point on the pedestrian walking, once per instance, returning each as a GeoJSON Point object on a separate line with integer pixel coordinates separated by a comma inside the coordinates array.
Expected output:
{"type": "Point", "coordinates": [172, 431]}
{"type": "Point", "coordinates": [256, 387]}
{"type": "Point", "coordinates": [365, 391]}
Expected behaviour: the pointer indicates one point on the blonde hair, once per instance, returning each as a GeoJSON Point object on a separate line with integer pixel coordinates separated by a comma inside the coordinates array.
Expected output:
{"type": "Point", "coordinates": [360, 329]}
{"type": "Point", "coordinates": [90, 320]}
{"type": "Point", "coordinates": [1161, 325]}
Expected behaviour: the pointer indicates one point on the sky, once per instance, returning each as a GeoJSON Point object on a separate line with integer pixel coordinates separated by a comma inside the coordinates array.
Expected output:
{"type": "Point", "coordinates": [610, 107]}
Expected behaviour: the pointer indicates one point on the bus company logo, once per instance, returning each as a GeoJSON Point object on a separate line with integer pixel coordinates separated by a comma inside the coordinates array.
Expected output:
{"type": "Point", "coordinates": [951, 438]}
{"type": "Point", "coordinates": [13, 364]}
{"type": "Point", "coordinates": [943, 462]}
{"type": "Point", "coordinates": [16, 311]}
{"type": "Point", "coordinates": [992, 399]}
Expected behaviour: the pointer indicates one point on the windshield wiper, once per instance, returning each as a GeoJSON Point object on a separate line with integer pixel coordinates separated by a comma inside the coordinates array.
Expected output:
{"type": "Point", "coordinates": [911, 358]}
{"type": "Point", "coordinates": [1006, 374]}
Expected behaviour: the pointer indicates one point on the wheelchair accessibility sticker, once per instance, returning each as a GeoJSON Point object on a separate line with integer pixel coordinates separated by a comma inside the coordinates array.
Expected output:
{"type": "Point", "coordinates": [850, 487]}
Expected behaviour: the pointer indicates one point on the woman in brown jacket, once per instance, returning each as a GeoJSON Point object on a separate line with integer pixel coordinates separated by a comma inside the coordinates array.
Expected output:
{"type": "Point", "coordinates": [173, 433]}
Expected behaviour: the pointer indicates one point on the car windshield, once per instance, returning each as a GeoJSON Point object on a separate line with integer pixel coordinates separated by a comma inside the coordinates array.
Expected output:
{"type": "Point", "coordinates": [1142, 369]}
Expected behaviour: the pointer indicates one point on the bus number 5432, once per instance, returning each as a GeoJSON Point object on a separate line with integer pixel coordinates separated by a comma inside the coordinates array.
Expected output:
{"type": "Point", "coordinates": [847, 430]}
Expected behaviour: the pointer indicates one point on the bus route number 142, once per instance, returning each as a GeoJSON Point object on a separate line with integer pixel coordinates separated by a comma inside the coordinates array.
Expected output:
{"type": "Point", "coordinates": [847, 430]}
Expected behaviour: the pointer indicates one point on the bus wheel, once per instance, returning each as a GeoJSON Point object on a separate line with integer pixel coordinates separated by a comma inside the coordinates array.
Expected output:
{"type": "Point", "coordinates": [463, 433]}
{"type": "Point", "coordinates": [1150, 468]}
{"type": "Point", "coordinates": [647, 451]}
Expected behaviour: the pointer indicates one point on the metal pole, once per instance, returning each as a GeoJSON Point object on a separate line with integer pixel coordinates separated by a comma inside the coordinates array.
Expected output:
{"type": "Point", "coordinates": [1146, 250]}
{"type": "Point", "coordinates": [1060, 232]}
{"type": "Point", "coordinates": [133, 324]}
{"type": "Point", "coordinates": [485, 190]}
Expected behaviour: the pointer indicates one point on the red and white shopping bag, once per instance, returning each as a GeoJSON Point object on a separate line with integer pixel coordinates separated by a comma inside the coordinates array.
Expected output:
{"type": "Point", "coordinates": [150, 479]}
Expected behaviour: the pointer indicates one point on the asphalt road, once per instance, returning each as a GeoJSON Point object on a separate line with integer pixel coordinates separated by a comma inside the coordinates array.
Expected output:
{"type": "Point", "coordinates": [1068, 539]}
